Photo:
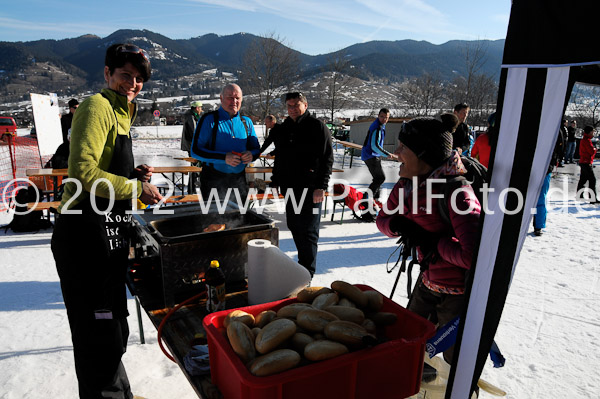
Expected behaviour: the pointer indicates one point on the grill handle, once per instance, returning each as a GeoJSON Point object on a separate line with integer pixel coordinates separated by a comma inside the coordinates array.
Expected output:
{"type": "Point", "coordinates": [151, 229]}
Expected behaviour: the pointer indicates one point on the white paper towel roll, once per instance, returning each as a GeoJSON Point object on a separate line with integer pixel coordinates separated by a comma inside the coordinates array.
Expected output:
{"type": "Point", "coordinates": [272, 275]}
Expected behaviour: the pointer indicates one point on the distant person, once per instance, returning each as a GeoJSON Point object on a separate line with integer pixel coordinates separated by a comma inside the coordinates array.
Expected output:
{"type": "Point", "coordinates": [190, 119]}
{"type": "Point", "coordinates": [482, 148]}
{"type": "Point", "coordinates": [571, 142]}
{"type": "Point", "coordinates": [60, 159]}
{"type": "Point", "coordinates": [303, 165]}
{"type": "Point", "coordinates": [226, 143]}
{"type": "Point", "coordinates": [461, 138]}
{"type": "Point", "coordinates": [270, 123]}
{"type": "Point", "coordinates": [90, 243]}
{"type": "Point", "coordinates": [541, 212]}
{"type": "Point", "coordinates": [562, 138]}
{"type": "Point", "coordinates": [587, 152]}
{"type": "Point", "coordinates": [371, 154]}
{"type": "Point", "coordinates": [67, 120]}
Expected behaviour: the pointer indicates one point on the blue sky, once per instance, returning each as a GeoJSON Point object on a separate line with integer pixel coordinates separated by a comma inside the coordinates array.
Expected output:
{"type": "Point", "coordinates": [310, 26]}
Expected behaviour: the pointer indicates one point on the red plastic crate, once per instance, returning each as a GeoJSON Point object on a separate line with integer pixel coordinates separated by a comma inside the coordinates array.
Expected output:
{"type": "Point", "coordinates": [389, 370]}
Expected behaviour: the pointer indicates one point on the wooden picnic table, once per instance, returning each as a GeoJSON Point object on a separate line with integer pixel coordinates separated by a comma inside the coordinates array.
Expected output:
{"type": "Point", "coordinates": [190, 170]}
{"type": "Point", "coordinates": [194, 160]}
{"type": "Point", "coordinates": [349, 148]}
{"type": "Point", "coordinates": [187, 159]}
{"type": "Point", "coordinates": [48, 172]}
{"type": "Point", "coordinates": [174, 170]}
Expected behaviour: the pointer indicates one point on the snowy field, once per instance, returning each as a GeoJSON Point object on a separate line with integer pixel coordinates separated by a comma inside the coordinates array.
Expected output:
{"type": "Point", "coordinates": [549, 331]}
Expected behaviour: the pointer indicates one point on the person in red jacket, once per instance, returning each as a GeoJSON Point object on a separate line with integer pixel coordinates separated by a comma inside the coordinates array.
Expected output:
{"type": "Point", "coordinates": [482, 148]}
{"type": "Point", "coordinates": [445, 250]}
{"type": "Point", "coordinates": [587, 152]}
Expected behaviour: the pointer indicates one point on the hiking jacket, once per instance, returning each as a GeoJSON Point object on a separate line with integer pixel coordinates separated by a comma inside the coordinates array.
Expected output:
{"type": "Point", "coordinates": [461, 138]}
{"type": "Point", "coordinates": [270, 138]}
{"type": "Point", "coordinates": [65, 124]}
{"type": "Point", "coordinates": [482, 149]}
{"type": "Point", "coordinates": [93, 135]}
{"type": "Point", "coordinates": [304, 154]}
{"type": "Point", "coordinates": [587, 151]}
{"type": "Point", "coordinates": [373, 146]}
{"type": "Point", "coordinates": [571, 134]}
{"type": "Point", "coordinates": [231, 136]}
{"type": "Point", "coordinates": [190, 118]}
{"type": "Point", "coordinates": [456, 242]}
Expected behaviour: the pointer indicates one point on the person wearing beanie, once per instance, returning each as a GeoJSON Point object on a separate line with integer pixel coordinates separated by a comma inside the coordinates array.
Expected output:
{"type": "Point", "coordinates": [587, 152]}
{"type": "Point", "coordinates": [444, 250]}
{"type": "Point", "coordinates": [190, 119]}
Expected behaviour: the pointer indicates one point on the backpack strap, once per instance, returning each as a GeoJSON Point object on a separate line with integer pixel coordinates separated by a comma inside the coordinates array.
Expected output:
{"type": "Point", "coordinates": [452, 184]}
{"type": "Point", "coordinates": [213, 141]}
{"type": "Point", "coordinates": [245, 123]}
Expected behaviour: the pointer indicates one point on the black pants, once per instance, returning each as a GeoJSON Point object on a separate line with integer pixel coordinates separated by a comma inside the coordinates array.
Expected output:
{"type": "Point", "coordinates": [437, 308]}
{"type": "Point", "coordinates": [374, 165]}
{"type": "Point", "coordinates": [304, 225]}
{"type": "Point", "coordinates": [587, 176]}
{"type": "Point", "coordinates": [92, 280]}
{"type": "Point", "coordinates": [219, 183]}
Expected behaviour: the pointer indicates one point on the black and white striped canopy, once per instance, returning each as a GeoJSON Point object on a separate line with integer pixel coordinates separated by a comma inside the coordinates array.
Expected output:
{"type": "Point", "coordinates": [550, 45]}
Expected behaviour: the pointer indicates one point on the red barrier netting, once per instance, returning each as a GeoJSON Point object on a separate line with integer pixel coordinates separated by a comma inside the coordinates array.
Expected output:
{"type": "Point", "coordinates": [16, 155]}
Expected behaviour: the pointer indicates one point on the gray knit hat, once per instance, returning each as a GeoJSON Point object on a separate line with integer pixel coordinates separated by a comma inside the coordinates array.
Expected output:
{"type": "Point", "coordinates": [429, 138]}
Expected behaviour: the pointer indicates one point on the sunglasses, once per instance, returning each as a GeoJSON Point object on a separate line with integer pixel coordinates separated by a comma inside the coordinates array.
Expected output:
{"type": "Point", "coordinates": [132, 49]}
{"type": "Point", "coordinates": [295, 95]}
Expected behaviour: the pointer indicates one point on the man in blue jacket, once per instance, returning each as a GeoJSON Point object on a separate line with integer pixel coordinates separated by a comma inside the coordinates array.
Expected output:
{"type": "Point", "coordinates": [225, 143]}
{"type": "Point", "coordinates": [373, 150]}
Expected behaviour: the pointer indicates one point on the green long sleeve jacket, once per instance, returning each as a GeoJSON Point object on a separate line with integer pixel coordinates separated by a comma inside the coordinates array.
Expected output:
{"type": "Point", "coordinates": [95, 126]}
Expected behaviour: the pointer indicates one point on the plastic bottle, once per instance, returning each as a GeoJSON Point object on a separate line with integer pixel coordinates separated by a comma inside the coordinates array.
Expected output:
{"type": "Point", "coordinates": [215, 287]}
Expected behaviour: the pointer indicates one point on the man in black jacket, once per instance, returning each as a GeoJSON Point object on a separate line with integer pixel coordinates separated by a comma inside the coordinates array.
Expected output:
{"type": "Point", "coordinates": [461, 138]}
{"type": "Point", "coordinates": [571, 142]}
{"type": "Point", "coordinates": [301, 172]}
{"type": "Point", "coordinates": [66, 120]}
{"type": "Point", "coordinates": [270, 124]}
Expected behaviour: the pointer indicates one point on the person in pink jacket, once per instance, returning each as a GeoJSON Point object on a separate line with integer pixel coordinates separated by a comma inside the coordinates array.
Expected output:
{"type": "Point", "coordinates": [445, 249]}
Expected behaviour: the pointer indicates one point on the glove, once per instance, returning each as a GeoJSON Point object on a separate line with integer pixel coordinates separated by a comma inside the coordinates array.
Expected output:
{"type": "Point", "coordinates": [414, 235]}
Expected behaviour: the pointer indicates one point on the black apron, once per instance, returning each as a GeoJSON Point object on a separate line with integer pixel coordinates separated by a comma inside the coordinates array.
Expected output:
{"type": "Point", "coordinates": [92, 248]}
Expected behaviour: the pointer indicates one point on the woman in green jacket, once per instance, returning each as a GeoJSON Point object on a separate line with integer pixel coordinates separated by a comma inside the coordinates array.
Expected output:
{"type": "Point", "coordinates": [90, 243]}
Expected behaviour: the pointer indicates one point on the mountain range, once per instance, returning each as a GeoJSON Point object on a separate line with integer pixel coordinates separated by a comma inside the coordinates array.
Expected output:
{"type": "Point", "coordinates": [69, 66]}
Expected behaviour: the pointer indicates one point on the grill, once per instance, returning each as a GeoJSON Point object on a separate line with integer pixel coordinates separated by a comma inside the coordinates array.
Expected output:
{"type": "Point", "coordinates": [172, 252]}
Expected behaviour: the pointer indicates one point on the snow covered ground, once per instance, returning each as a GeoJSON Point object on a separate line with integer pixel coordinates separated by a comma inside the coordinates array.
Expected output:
{"type": "Point", "coordinates": [549, 331]}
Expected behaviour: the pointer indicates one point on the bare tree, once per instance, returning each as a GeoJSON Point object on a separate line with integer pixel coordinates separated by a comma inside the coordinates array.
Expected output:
{"type": "Point", "coordinates": [585, 104]}
{"type": "Point", "coordinates": [422, 96]}
{"type": "Point", "coordinates": [337, 78]}
{"type": "Point", "coordinates": [474, 88]}
{"type": "Point", "coordinates": [269, 66]}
